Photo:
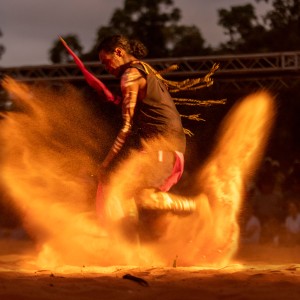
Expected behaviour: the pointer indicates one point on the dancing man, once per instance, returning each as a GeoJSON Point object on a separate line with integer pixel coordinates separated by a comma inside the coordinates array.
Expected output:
{"type": "Point", "coordinates": [152, 126]}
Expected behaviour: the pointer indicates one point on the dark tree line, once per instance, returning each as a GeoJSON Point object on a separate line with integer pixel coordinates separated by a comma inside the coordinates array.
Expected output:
{"type": "Point", "coordinates": [154, 22]}
{"type": "Point", "coordinates": [279, 29]}
{"type": "Point", "coordinates": [157, 24]}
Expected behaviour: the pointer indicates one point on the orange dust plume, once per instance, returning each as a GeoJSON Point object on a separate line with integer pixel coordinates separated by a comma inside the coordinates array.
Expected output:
{"type": "Point", "coordinates": [52, 145]}
{"type": "Point", "coordinates": [211, 235]}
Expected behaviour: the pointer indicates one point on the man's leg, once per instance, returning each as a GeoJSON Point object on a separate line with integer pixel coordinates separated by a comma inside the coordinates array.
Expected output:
{"type": "Point", "coordinates": [151, 199]}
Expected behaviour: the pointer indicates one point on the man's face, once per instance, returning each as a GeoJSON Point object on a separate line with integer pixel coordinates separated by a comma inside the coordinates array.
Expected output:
{"type": "Point", "coordinates": [111, 61]}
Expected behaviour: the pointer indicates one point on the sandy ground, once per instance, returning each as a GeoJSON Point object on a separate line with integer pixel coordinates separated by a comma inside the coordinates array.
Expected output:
{"type": "Point", "coordinates": [264, 272]}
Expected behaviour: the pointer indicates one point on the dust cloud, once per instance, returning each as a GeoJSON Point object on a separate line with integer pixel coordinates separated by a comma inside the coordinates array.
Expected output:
{"type": "Point", "coordinates": [51, 149]}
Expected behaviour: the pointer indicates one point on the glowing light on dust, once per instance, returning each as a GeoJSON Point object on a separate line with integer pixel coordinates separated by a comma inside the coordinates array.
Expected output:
{"type": "Point", "coordinates": [51, 145]}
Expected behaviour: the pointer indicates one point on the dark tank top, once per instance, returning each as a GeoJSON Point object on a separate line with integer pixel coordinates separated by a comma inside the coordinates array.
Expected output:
{"type": "Point", "coordinates": [156, 114]}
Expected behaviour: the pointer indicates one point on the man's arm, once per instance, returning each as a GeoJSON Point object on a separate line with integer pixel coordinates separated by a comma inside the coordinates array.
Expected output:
{"type": "Point", "coordinates": [130, 85]}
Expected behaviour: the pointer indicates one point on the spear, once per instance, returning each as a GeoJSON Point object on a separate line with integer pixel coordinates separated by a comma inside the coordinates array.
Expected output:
{"type": "Point", "coordinates": [92, 80]}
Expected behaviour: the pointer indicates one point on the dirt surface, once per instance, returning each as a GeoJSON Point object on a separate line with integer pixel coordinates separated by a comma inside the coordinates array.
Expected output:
{"type": "Point", "coordinates": [261, 272]}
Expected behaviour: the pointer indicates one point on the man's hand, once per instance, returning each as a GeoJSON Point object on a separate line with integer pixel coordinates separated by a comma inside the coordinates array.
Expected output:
{"type": "Point", "coordinates": [102, 174]}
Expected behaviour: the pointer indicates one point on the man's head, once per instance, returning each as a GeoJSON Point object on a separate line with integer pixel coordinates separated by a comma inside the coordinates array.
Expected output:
{"type": "Point", "coordinates": [117, 50]}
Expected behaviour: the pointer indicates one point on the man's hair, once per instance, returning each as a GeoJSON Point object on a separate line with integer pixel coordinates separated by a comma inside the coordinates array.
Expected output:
{"type": "Point", "coordinates": [132, 47]}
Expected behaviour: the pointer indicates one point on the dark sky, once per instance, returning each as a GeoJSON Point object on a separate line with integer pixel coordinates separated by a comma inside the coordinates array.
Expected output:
{"type": "Point", "coordinates": [29, 27]}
